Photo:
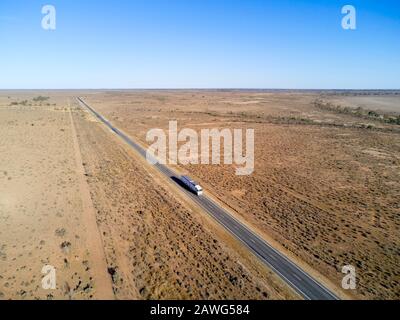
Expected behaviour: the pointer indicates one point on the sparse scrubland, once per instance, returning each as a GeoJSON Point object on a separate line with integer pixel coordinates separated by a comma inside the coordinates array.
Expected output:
{"type": "Point", "coordinates": [325, 191]}
{"type": "Point", "coordinates": [153, 246]}
{"type": "Point", "coordinates": [156, 247]}
{"type": "Point", "coordinates": [326, 183]}
{"type": "Point", "coordinates": [41, 212]}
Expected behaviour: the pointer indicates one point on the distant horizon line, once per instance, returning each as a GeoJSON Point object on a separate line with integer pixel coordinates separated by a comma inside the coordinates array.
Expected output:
{"type": "Point", "coordinates": [195, 89]}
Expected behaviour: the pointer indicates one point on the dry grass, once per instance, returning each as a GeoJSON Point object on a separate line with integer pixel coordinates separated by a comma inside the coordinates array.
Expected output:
{"type": "Point", "coordinates": [326, 186]}
{"type": "Point", "coordinates": [156, 248]}
{"type": "Point", "coordinates": [40, 205]}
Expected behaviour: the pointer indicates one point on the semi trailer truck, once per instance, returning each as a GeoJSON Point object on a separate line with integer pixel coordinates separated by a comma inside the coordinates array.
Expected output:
{"type": "Point", "coordinates": [192, 186]}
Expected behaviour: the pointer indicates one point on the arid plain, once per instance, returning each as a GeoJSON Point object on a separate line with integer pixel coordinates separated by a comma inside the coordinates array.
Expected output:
{"type": "Point", "coordinates": [76, 198]}
{"type": "Point", "coordinates": [325, 191]}
{"type": "Point", "coordinates": [326, 185]}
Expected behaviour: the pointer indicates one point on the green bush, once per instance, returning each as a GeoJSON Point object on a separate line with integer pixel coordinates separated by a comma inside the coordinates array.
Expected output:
{"type": "Point", "coordinates": [40, 99]}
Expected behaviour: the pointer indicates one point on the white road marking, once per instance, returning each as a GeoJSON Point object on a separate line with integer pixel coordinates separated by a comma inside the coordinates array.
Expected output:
{"type": "Point", "coordinates": [297, 277]}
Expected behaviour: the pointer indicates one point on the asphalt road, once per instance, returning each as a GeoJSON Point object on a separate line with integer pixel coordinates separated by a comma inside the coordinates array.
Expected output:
{"type": "Point", "coordinates": [293, 275]}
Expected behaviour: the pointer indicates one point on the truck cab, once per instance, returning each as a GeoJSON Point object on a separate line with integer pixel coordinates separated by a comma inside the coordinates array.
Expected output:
{"type": "Point", "coordinates": [191, 185]}
{"type": "Point", "coordinates": [199, 190]}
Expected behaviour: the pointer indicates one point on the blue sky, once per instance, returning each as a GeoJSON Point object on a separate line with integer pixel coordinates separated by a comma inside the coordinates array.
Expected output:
{"type": "Point", "coordinates": [200, 44]}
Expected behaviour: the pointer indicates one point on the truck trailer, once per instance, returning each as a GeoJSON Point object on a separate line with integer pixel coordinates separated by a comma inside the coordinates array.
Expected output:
{"type": "Point", "coordinates": [192, 186]}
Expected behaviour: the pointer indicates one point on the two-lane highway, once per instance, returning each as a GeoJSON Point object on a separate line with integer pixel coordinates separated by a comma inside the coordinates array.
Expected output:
{"type": "Point", "coordinates": [292, 274]}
